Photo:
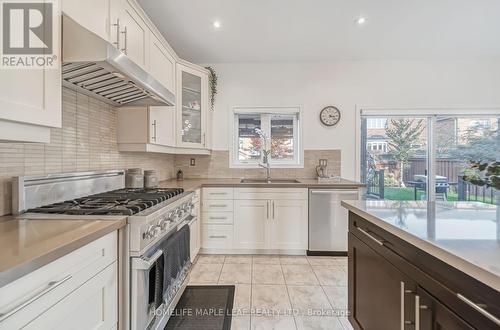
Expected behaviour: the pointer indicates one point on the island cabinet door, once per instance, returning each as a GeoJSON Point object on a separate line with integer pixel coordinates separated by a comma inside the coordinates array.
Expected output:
{"type": "Point", "coordinates": [380, 296]}
{"type": "Point", "coordinates": [434, 315]}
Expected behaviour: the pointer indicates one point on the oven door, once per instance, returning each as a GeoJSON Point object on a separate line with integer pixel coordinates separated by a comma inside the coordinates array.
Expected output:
{"type": "Point", "coordinates": [146, 289]}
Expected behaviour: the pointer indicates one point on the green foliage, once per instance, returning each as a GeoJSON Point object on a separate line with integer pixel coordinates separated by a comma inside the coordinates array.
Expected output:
{"type": "Point", "coordinates": [212, 81]}
{"type": "Point", "coordinates": [403, 135]}
{"type": "Point", "coordinates": [483, 174]}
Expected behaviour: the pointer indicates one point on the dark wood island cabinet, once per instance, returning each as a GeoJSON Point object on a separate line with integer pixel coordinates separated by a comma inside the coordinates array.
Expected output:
{"type": "Point", "coordinates": [394, 284]}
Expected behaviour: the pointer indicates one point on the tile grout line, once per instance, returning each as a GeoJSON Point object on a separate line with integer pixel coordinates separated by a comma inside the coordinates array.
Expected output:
{"type": "Point", "coordinates": [288, 294]}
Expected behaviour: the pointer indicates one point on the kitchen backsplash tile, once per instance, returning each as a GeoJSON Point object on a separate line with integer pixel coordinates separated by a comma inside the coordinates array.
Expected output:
{"type": "Point", "coordinates": [86, 142]}
{"type": "Point", "coordinates": [216, 165]}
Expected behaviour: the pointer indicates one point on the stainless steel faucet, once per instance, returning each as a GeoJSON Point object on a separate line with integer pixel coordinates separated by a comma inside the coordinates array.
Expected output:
{"type": "Point", "coordinates": [266, 153]}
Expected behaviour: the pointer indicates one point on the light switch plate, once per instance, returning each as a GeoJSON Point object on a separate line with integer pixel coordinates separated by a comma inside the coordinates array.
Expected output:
{"type": "Point", "coordinates": [192, 162]}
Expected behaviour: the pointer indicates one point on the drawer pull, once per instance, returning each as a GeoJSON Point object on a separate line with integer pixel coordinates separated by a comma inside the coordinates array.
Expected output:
{"type": "Point", "coordinates": [479, 309]}
{"type": "Point", "coordinates": [218, 193]}
{"type": "Point", "coordinates": [217, 205]}
{"type": "Point", "coordinates": [217, 218]}
{"type": "Point", "coordinates": [379, 242]}
{"type": "Point", "coordinates": [50, 286]}
{"type": "Point", "coordinates": [213, 236]}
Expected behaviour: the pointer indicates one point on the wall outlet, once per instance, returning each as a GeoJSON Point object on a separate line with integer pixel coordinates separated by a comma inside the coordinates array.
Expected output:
{"type": "Point", "coordinates": [323, 162]}
{"type": "Point", "coordinates": [192, 162]}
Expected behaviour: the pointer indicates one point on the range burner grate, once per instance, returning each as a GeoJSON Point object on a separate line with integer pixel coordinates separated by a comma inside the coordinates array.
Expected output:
{"type": "Point", "coordinates": [116, 202]}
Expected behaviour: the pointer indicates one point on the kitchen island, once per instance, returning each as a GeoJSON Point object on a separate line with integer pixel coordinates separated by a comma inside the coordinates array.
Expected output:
{"type": "Point", "coordinates": [419, 265]}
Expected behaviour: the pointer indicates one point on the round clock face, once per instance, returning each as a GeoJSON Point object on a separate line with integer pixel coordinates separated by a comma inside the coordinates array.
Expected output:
{"type": "Point", "coordinates": [329, 116]}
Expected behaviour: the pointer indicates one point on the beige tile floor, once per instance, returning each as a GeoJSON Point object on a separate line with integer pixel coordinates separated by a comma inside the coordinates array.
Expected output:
{"type": "Point", "coordinates": [280, 292]}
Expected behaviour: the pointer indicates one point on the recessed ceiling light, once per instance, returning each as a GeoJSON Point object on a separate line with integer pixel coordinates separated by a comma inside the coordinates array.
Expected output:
{"type": "Point", "coordinates": [361, 20]}
{"type": "Point", "coordinates": [216, 24]}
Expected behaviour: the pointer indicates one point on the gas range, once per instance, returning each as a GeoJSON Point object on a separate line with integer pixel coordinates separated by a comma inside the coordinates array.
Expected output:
{"type": "Point", "coordinates": [151, 213]}
{"type": "Point", "coordinates": [158, 222]}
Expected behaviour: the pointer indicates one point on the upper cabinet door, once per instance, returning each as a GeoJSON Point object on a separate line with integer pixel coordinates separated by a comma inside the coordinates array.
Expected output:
{"type": "Point", "coordinates": [91, 14]}
{"type": "Point", "coordinates": [162, 126]}
{"type": "Point", "coordinates": [192, 105]}
{"type": "Point", "coordinates": [32, 96]}
{"type": "Point", "coordinates": [134, 35]}
{"type": "Point", "coordinates": [161, 63]}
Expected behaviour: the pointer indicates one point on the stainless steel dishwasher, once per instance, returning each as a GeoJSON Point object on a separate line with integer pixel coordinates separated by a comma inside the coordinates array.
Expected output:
{"type": "Point", "coordinates": [328, 221]}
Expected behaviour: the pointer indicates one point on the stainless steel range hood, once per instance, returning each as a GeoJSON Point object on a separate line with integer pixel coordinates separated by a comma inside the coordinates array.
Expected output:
{"type": "Point", "coordinates": [95, 67]}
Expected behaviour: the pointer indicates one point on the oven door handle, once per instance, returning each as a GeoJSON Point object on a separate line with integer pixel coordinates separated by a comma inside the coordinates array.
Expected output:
{"type": "Point", "coordinates": [146, 263]}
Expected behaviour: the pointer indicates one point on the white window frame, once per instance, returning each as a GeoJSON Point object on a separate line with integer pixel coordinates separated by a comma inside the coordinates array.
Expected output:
{"type": "Point", "coordinates": [429, 113]}
{"type": "Point", "coordinates": [296, 111]}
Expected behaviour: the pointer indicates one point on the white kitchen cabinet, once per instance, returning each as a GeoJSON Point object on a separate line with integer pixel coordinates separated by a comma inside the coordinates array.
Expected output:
{"type": "Point", "coordinates": [146, 125]}
{"type": "Point", "coordinates": [161, 63]}
{"type": "Point", "coordinates": [251, 224]}
{"type": "Point", "coordinates": [92, 306]}
{"type": "Point", "coordinates": [91, 14]}
{"type": "Point", "coordinates": [30, 101]}
{"type": "Point", "coordinates": [43, 296]}
{"type": "Point", "coordinates": [217, 237]}
{"type": "Point", "coordinates": [288, 225]}
{"type": "Point", "coordinates": [129, 31]}
{"type": "Point", "coordinates": [192, 106]}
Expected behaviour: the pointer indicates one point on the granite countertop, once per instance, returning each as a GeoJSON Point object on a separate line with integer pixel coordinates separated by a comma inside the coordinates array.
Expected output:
{"type": "Point", "coordinates": [465, 235]}
{"type": "Point", "coordinates": [28, 244]}
{"type": "Point", "coordinates": [193, 184]}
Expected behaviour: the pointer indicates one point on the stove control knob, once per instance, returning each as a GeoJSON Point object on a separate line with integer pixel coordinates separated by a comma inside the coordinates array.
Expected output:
{"type": "Point", "coordinates": [156, 231]}
{"type": "Point", "coordinates": [164, 223]}
{"type": "Point", "coordinates": [149, 233]}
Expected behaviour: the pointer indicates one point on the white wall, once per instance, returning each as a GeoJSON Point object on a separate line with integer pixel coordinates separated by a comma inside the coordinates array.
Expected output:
{"type": "Point", "coordinates": [347, 85]}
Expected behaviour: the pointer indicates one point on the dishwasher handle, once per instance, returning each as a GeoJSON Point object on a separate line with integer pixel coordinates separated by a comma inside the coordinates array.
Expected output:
{"type": "Point", "coordinates": [336, 191]}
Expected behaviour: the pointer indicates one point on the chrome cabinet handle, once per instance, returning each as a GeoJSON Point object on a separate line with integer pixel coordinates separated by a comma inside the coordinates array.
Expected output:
{"type": "Point", "coordinates": [379, 242]}
{"type": "Point", "coordinates": [479, 309]}
{"type": "Point", "coordinates": [124, 32]}
{"type": "Point", "coordinates": [217, 236]}
{"type": "Point", "coordinates": [273, 209]}
{"type": "Point", "coordinates": [50, 286]}
{"type": "Point", "coordinates": [218, 193]}
{"type": "Point", "coordinates": [417, 312]}
{"type": "Point", "coordinates": [217, 218]}
{"type": "Point", "coordinates": [217, 205]}
{"type": "Point", "coordinates": [117, 25]}
{"type": "Point", "coordinates": [267, 209]}
{"type": "Point", "coordinates": [154, 131]}
{"type": "Point", "coordinates": [402, 303]}
{"type": "Point", "coordinates": [145, 264]}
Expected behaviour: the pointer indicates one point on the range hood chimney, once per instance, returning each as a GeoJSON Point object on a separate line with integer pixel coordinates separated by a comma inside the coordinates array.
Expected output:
{"type": "Point", "coordinates": [93, 66]}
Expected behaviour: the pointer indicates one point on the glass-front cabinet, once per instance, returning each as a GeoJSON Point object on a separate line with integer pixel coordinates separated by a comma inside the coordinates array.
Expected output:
{"type": "Point", "coordinates": [192, 103]}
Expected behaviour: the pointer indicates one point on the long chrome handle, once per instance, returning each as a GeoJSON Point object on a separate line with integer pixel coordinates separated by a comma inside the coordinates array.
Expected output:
{"type": "Point", "coordinates": [50, 286]}
{"type": "Point", "coordinates": [329, 192]}
{"type": "Point", "coordinates": [267, 209]}
{"type": "Point", "coordinates": [124, 32]}
{"type": "Point", "coordinates": [217, 218]}
{"type": "Point", "coordinates": [217, 236]}
{"type": "Point", "coordinates": [379, 242]}
{"type": "Point", "coordinates": [273, 209]}
{"type": "Point", "coordinates": [402, 303]}
{"type": "Point", "coordinates": [154, 131]}
{"type": "Point", "coordinates": [479, 309]}
{"type": "Point", "coordinates": [417, 312]}
{"type": "Point", "coordinates": [117, 25]}
{"type": "Point", "coordinates": [144, 264]}
{"type": "Point", "coordinates": [218, 193]}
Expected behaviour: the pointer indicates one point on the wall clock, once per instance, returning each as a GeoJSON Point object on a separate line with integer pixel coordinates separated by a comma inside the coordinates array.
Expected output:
{"type": "Point", "coordinates": [329, 116]}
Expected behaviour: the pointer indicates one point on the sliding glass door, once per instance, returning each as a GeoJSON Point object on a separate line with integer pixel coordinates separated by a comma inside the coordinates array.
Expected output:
{"type": "Point", "coordinates": [401, 157]}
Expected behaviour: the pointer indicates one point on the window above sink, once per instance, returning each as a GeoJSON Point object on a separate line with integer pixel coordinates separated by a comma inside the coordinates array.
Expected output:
{"type": "Point", "coordinates": [281, 126]}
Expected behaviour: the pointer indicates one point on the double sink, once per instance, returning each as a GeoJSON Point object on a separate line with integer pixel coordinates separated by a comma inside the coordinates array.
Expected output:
{"type": "Point", "coordinates": [269, 181]}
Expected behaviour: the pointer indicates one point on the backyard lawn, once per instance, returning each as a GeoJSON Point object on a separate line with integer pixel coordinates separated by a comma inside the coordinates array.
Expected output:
{"type": "Point", "coordinates": [408, 194]}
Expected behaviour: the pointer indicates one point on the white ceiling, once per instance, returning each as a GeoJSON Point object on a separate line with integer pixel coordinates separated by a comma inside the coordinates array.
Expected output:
{"type": "Point", "coordinates": [323, 30]}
